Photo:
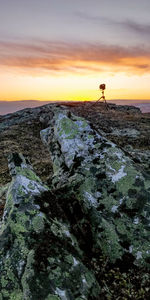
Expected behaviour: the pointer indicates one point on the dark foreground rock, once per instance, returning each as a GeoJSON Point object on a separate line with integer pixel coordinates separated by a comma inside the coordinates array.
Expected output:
{"type": "Point", "coordinates": [39, 257]}
{"type": "Point", "coordinates": [84, 233]}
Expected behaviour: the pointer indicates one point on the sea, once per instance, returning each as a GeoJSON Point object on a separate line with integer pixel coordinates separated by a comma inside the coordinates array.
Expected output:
{"type": "Point", "coordinates": [12, 106]}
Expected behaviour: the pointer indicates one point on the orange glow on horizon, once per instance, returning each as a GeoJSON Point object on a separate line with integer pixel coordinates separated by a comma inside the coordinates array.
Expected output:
{"type": "Point", "coordinates": [62, 71]}
{"type": "Point", "coordinates": [21, 85]}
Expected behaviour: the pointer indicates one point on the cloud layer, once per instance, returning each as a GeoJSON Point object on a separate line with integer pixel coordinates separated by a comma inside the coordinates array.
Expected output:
{"type": "Point", "coordinates": [58, 57]}
{"type": "Point", "coordinates": [127, 24]}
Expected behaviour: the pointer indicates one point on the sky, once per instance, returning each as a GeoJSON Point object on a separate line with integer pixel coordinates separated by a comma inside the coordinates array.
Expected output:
{"type": "Point", "coordinates": [63, 49]}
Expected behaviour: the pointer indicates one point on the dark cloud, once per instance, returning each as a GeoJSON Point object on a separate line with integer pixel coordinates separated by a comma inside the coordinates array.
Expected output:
{"type": "Point", "coordinates": [128, 24]}
{"type": "Point", "coordinates": [136, 27]}
{"type": "Point", "coordinates": [69, 57]}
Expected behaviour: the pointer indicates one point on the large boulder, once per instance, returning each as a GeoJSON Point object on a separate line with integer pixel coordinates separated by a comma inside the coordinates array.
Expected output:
{"type": "Point", "coordinates": [106, 195]}
{"type": "Point", "coordinates": [39, 256]}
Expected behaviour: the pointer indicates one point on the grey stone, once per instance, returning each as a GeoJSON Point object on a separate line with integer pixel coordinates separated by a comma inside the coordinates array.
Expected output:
{"type": "Point", "coordinates": [107, 185]}
{"type": "Point", "coordinates": [39, 256]}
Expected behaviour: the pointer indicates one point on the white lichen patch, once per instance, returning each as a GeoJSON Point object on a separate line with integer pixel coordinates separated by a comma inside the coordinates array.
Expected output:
{"type": "Point", "coordinates": [23, 187]}
{"type": "Point", "coordinates": [75, 262]}
{"type": "Point", "coordinates": [138, 255]}
{"type": "Point", "coordinates": [66, 232]}
{"type": "Point", "coordinates": [61, 293]}
{"type": "Point", "coordinates": [119, 175]}
{"type": "Point", "coordinates": [121, 200]}
{"type": "Point", "coordinates": [91, 199]}
{"type": "Point", "coordinates": [74, 136]}
{"type": "Point", "coordinates": [119, 155]}
{"type": "Point", "coordinates": [136, 221]}
{"type": "Point", "coordinates": [20, 267]}
{"type": "Point", "coordinates": [131, 249]}
{"type": "Point", "coordinates": [114, 208]}
{"type": "Point", "coordinates": [30, 184]}
{"type": "Point", "coordinates": [84, 282]}
{"type": "Point", "coordinates": [61, 230]}
{"type": "Point", "coordinates": [45, 133]}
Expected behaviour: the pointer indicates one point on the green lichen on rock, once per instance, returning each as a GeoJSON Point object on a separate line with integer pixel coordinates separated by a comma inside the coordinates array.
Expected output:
{"type": "Point", "coordinates": [67, 243]}
{"type": "Point", "coordinates": [108, 187]}
{"type": "Point", "coordinates": [39, 256]}
{"type": "Point", "coordinates": [52, 297]}
{"type": "Point", "coordinates": [68, 128]}
{"type": "Point", "coordinates": [38, 223]}
{"type": "Point", "coordinates": [17, 295]}
{"type": "Point", "coordinates": [28, 173]}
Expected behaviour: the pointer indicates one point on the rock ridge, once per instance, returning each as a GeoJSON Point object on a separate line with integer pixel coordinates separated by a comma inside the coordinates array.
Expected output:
{"type": "Point", "coordinates": [84, 232]}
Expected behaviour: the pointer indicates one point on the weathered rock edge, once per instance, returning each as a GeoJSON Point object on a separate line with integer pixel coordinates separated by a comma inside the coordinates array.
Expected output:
{"type": "Point", "coordinates": [112, 193]}
{"type": "Point", "coordinates": [39, 257]}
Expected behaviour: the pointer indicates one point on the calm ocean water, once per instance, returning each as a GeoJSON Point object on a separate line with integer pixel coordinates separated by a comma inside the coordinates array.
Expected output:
{"type": "Point", "coordinates": [9, 107]}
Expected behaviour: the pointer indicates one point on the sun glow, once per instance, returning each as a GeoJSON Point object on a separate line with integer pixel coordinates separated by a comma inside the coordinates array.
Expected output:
{"type": "Point", "coordinates": [19, 85]}
{"type": "Point", "coordinates": [69, 71]}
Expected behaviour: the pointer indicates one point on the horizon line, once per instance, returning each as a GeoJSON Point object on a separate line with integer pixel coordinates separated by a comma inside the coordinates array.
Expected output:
{"type": "Point", "coordinates": [114, 99]}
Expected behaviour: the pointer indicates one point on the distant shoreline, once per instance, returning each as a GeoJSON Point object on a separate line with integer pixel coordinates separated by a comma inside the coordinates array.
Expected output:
{"type": "Point", "coordinates": [13, 106]}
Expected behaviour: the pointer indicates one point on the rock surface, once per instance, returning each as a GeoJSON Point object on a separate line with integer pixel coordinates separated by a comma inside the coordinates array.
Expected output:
{"type": "Point", "coordinates": [109, 188]}
{"type": "Point", "coordinates": [39, 257]}
{"type": "Point", "coordinates": [82, 233]}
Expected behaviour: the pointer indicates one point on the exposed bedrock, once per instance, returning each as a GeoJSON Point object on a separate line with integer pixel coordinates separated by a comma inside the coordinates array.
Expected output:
{"type": "Point", "coordinates": [39, 256]}
{"type": "Point", "coordinates": [106, 196]}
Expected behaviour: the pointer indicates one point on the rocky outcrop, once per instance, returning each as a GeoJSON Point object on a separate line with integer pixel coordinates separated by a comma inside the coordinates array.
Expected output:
{"type": "Point", "coordinates": [84, 233]}
{"type": "Point", "coordinates": [39, 257]}
{"type": "Point", "coordinates": [28, 115]}
{"type": "Point", "coordinates": [125, 108]}
{"type": "Point", "coordinates": [112, 194]}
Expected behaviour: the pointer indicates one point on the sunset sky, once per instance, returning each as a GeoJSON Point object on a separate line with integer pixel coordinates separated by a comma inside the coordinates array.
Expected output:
{"type": "Point", "coordinates": [63, 49]}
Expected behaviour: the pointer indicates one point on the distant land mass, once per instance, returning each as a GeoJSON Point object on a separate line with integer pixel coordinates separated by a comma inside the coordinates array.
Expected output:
{"type": "Point", "coordinates": [12, 106]}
